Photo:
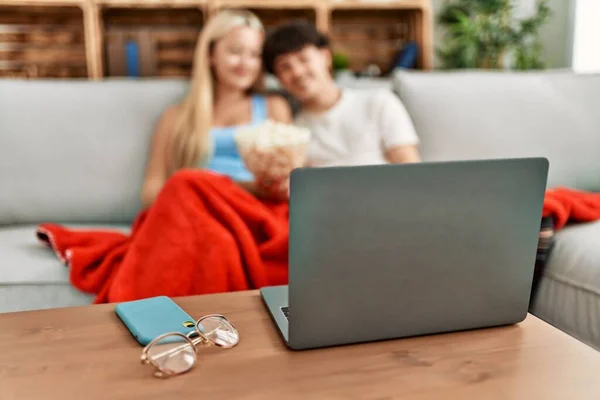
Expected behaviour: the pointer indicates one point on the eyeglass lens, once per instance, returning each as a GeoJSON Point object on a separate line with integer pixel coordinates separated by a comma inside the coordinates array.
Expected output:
{"type": "Point", "coordinates": [173, 354]}
{"type": "Point", "coordinates": [219, 331]}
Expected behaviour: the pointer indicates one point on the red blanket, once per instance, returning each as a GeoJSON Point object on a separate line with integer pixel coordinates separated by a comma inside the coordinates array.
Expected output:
{"type": "Point", "coordinates": [568, 205]}
{"type": "Point", "coordinates": [204, 234]}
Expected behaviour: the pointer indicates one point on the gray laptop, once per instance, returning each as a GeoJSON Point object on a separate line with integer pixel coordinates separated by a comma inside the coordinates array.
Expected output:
{"type": "Point", "coordinates": [392, 251]}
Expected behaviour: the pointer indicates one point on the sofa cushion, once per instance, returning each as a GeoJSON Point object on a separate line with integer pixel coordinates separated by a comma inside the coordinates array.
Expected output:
{"type": "Point", "coordinates": [76, 150]}
{"type": "Point", "coordinates": [27, 297]}
{"type": "Point", "coordinates": [31, 276]}
{"type": "Point", "coordinates": [476, 114]}
{"type": "Point", "coordinates": [568, 293]}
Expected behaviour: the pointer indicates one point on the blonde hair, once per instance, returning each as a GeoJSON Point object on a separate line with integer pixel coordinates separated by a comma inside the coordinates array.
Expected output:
{"type": "Point", "coordinates": [191, 139]}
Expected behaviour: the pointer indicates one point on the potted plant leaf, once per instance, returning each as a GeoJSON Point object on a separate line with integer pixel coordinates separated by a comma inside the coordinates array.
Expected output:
{"type": "Point", "coordinates": [485, 34]}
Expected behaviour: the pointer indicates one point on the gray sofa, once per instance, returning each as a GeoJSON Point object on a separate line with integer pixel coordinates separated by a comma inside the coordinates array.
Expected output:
{"type": "Point", "coordinates": [74, 153]}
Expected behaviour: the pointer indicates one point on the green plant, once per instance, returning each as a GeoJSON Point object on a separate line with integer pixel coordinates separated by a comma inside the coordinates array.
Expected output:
{"type": "Point", "coordinates": [340, 62]}
{"type": "Point", "coordinates": [485, 34]}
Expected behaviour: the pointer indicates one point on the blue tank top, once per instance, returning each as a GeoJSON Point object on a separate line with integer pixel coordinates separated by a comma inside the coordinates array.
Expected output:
{"type": "Point", "coordinates": [226, 158]}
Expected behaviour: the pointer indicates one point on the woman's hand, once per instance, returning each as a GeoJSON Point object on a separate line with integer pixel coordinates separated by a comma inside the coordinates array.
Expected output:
{"type": "Point", "coordinates": [274, 190]}
{"type": "Point", "coordinates": [272, 171]}
{"type": "Point", "coordinates": [270, 166]}
{"type": "Point", "coordinates": [267, 190]}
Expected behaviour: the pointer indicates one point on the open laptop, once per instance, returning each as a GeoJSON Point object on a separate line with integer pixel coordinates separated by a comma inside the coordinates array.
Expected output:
{"type": "Point", "coordinates": [391, 251]}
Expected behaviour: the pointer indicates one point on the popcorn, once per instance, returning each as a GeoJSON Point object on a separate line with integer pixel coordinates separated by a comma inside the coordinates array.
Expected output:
{"type": "Point", "coordinates": [272, 149]}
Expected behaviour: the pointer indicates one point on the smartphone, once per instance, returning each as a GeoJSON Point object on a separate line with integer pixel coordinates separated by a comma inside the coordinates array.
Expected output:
{"type": "Point", "coordinates": [148, 318]}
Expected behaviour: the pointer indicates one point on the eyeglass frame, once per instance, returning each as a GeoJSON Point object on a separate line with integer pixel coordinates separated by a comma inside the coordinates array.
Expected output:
{"type": "Point", "coordinates": [201, 339]}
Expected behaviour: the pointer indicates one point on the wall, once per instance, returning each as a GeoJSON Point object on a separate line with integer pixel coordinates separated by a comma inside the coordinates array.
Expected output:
{"type": "Point", "coordinates": [557, 34]}
{"type": "Point", "coordinates": [586, 52]}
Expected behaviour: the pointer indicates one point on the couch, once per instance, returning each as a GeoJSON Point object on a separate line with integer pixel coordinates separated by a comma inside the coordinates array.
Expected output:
{"type": "Point", "coordinates": [74, 152]}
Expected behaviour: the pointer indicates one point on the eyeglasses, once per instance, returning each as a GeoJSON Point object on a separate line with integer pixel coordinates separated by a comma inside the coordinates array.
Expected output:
{"type": "Point", "coordinates": [174, 353]}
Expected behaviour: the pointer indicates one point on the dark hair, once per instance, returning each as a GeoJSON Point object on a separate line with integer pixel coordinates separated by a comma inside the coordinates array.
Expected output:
{"type": "Point", "coordinates": [291, 37]}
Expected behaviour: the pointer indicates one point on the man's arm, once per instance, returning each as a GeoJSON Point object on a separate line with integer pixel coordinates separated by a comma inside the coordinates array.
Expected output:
{"type": "Point", "coordinates": [398, 136]}
{"type": "Point", "coordinates": [403, 154]}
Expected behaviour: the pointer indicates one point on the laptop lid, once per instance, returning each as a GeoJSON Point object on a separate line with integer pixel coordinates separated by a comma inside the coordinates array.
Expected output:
{"type": "Point", "coordinates": [388, 251]}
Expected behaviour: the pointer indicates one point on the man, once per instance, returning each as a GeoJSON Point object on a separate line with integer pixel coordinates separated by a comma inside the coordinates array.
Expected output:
{"type": "Point", "coordinates": [349, 127]}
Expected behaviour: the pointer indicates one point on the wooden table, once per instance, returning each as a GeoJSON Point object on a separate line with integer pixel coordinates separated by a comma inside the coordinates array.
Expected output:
{"type": "Point", "coordinates": [87, 353]}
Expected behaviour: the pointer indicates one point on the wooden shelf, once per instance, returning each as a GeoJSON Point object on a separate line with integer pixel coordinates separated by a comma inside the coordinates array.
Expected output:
{"type": "Point", "coordinates": [262, 4]}
{"type": "Point", "coordinates": [152, 17]}
{"type": "Point", "coordinates": [369, 36]}
{"type": "Point", "coordinates": [272, 17]}
{"type": "Point", "coordinates": [164, 40]}
{"type": "Point", "coordinates": [152, 3]}
{"type": "Point", "coordinates": [163, 33]}
{"type": "Point", "coordinates": [39, 42]}
{"type": "Point", "coordinates": [42, 3]}
{"type": "Point", "coordinates": [377, 5]}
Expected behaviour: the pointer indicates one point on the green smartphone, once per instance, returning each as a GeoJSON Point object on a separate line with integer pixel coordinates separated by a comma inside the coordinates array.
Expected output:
{"type": "Point", "coordinates": [149, 318]}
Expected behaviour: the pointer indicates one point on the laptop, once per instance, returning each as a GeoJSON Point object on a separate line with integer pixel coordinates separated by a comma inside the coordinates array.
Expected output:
{"type": "Point", "coordinates": [392, 251]}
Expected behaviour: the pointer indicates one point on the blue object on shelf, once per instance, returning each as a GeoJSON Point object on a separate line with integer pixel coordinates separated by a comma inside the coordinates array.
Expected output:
{"type": "Point", "coordinates": [408, 56]}
{"type": "Point", "coordinates": [132, 51]}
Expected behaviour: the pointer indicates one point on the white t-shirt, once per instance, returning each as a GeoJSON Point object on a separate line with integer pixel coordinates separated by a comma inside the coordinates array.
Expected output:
{"type": "Point", "coordinates": [358, 129]}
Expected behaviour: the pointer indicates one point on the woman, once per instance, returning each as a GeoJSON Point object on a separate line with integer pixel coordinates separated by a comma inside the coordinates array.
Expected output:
{"type": "Point", "coordinates": [224, 94]}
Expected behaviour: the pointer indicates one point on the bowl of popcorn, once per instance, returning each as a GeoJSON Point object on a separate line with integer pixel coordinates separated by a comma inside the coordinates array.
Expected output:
{"type": "Point", "coordinates": [272, 149]}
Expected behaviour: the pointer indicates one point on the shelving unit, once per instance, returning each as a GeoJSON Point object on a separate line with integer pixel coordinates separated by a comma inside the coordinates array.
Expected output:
{"type": "Point", "coordinates": [41, 42]}
{"type": "Point", "coordinates": [150, 41]}
{"type": "Point", "coordinates": [103, 38]}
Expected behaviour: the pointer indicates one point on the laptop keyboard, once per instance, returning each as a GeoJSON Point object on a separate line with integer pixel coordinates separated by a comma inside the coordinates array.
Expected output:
{"type": "Point", "coordinates": [286, 312]}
